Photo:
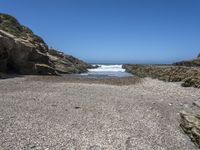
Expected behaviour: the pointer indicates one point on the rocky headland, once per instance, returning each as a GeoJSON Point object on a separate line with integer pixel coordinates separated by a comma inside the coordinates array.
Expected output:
{"type": "Point", "coordinates": [187, 72]}
{"type": "Point", "coordinates": [23, 52]}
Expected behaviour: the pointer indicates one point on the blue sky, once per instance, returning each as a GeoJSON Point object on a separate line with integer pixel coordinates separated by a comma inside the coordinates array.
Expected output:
{"type": "Point", "coordinates": [110, 31]}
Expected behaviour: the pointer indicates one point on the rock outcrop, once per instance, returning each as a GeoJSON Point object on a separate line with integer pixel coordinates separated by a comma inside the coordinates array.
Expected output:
{"type": "Point", "coordinates": [190, 76]}
{"type": "Point", "coordinates": [189, 63]}
{"type": "Point", "coordinates": [190, 123]}
{"type": "Point", "coordinates": [67, 63]}
{"type": "Point", "coordinates": [23, 52]}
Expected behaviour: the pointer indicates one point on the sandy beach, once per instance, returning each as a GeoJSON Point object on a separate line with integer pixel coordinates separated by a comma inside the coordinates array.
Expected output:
{"type": "Point", "coordinates": [42, 112]}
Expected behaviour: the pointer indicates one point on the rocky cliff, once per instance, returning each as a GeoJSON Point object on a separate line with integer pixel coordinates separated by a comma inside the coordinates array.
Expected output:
{"type": "Point", "coordinates": [23, 52]}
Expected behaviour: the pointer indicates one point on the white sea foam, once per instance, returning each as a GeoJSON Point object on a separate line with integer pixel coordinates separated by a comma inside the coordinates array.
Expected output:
{"type": "Point", "coordinates": [108, 68]}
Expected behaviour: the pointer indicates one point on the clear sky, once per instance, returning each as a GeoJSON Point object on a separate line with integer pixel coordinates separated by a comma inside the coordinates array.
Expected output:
{"type": "Point", "coordinates": [110, 31]}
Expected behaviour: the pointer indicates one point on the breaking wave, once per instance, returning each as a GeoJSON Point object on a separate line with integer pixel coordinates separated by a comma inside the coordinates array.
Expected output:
{"type": "Point", "coordinates": [107, 70]}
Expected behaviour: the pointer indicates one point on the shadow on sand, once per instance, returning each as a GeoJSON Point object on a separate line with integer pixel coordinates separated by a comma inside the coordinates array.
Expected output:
{"type": "Point", "coordinates": [9, 75]}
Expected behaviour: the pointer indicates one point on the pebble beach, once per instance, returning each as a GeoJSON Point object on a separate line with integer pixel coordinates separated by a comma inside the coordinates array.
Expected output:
{"type": "Point", "coordinates": [49, 112]}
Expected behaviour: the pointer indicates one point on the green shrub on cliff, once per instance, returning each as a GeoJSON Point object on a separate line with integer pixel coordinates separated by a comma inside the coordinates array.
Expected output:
{"type": "Point", "coordinates": [11, 25]}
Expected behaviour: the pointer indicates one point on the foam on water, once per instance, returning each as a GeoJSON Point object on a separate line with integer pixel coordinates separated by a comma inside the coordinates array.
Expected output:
{"type": "Point", "coordinates": [105, 68]}
{"type": "Point", "coordinates": [108, 70]}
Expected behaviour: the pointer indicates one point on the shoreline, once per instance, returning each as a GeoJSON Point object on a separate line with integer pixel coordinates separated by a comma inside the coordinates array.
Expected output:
{"type": "Point", "coordinates": [90, 80]}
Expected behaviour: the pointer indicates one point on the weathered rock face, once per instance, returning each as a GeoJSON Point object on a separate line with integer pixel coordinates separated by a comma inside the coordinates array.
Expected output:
{"type": "Point", "coordinates": [23, 52]}
{"type": "Point", "coordinates": [3, 59]}
{"type": "Point", "coordinates": [21, 56]}
{"type": "Point", "coordinates": [67, 63]}
{"type": "Point", "coordinates": [190, 76]}
{"type": "Point", "coordinates": [190, 123]}
{"type": "Point", "coordinates": [11, 25]}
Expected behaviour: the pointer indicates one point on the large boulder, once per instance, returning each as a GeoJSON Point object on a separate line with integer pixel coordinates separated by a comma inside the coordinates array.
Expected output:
{"type": "Point", "coordinates": [190, 123]}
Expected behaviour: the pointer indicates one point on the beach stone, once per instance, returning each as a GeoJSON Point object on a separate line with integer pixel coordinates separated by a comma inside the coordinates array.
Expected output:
{"type": "Point", "coordinates": [190, 123]}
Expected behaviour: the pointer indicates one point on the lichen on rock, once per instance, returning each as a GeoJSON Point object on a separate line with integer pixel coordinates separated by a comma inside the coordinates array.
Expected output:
{"type": "Point", "coordinates": [190, 123]}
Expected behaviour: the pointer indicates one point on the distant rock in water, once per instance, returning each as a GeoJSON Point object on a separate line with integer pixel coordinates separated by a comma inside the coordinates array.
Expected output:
{"type": "Point", "coordinates": [23, 52]}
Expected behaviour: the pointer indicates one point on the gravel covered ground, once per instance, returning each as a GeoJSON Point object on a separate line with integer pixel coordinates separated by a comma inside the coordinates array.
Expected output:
{"type": "Point", "coordinates": [53, 113]}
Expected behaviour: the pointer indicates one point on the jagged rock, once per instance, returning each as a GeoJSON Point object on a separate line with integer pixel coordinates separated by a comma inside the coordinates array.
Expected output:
{"type": "Point", "coordinates": [190, 76]}
{"type": "Point", "coordinates": [10, 24]}
{"type": "Point", "coordinates": [67, 63]}
{"type": "Point", "coordinates": [19, 56]}
{"type": "Point", "coordinates": [190, 123]}
{"type": "Point", "coordinates": [23, 52]}
{"type": "Point", "coordinates": [45, 69]}
{"type": "Point", "coordinates": [192, 81]}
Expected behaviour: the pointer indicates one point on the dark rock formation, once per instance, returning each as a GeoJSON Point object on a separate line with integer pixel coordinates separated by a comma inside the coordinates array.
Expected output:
{"type": "Point", "coordinates": [190, 76]}
{"type": "Point", "coordinates": [190, 123]}
{"type": "Point", "coordinates": [67, 63]}
{"type": "Point", "coordinates": [21, 56]}
{"type": "Point", "coordinates": [23, 52]}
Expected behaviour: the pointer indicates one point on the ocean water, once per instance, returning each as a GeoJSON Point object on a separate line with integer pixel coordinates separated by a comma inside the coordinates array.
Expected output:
{"type": "Point", "coordinates": [107, 71]}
